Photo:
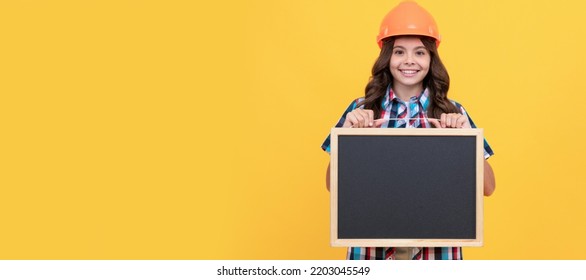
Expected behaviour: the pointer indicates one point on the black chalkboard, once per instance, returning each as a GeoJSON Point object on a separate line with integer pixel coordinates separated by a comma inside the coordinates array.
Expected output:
{"type": "Point", "coordinates": [407, 187]}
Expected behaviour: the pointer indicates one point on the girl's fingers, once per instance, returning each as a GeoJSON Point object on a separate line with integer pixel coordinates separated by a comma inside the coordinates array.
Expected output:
{"type": "Point", "coordinates": [366, 117]}
{"type": "Point", "coordinates": [461, 121]}
{"type": "Point", "coordinates": [435, 123]}
{"type": "Point", "coordinates": [356, 119]}
{"type": "Point", "coordinates": [443, 120]}
{"type": "Point", "coordinates": [454, 120]}
{"type": "Point", "coordinates": [466, 123]}
{"type": "Point", "coordinates": [361, 118]}
{"type": "Point", "coordinates": [351, 119]}
{"type": "Point", "coordinates": [370, 114]}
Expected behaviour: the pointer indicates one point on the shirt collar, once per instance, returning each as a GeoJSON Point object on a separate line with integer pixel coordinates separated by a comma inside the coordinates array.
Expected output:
{"type": "Point", "coordinates": [390, 97]}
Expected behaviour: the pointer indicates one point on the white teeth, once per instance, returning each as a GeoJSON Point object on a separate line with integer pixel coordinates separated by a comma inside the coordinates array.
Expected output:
{"type": "Point", "coordinates": [409, 71]}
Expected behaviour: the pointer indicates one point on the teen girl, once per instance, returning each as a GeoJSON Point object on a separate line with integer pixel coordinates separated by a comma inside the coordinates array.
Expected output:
{"type": "Point", "coordinates": [408, 88]}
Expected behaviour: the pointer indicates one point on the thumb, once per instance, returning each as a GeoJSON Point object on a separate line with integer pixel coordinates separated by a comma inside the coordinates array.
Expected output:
{"type": "Point", "coordinates": [435, 123]}
{"type": "Point", "coordinates": [379, 122]}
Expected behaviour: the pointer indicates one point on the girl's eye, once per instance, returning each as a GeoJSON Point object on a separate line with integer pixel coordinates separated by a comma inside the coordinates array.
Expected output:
{"type": "Point", "coordinates": [420, 53]}
{"type": "Point", "coordinates": [398, 52]}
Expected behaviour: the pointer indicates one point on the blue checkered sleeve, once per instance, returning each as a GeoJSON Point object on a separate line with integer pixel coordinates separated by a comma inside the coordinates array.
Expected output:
{"type": "Point", "coordinates": [326, 145]}
{"type": "Point", "coordinates": [487, 149]}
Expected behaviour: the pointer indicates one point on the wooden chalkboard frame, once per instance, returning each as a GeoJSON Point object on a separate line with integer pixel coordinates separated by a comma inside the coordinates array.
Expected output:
{"type": "Point", "coordinates": [407, 241]}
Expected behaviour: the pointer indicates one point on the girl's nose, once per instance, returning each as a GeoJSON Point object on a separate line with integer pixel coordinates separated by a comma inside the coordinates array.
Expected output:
{"type": "Point", "coordinates": [409, 59]}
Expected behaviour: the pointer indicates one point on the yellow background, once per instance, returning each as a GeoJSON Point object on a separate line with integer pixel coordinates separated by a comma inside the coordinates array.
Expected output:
{"type": "Point", "coordinates": [192, 129]}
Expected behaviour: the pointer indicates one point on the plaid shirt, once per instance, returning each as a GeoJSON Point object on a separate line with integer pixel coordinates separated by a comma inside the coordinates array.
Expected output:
{"type": "Point", "coordinates": [409, 114]}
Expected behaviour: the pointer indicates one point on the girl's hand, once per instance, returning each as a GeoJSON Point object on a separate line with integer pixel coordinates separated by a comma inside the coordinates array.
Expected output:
{"type": "Point", "coordinates": [451, 120]}
{"type": "Point", "coordinates": [359, 118]}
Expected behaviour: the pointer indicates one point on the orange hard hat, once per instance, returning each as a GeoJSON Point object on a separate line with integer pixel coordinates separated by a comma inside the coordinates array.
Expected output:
{"type": "Point", "coordinates": [408, 18]}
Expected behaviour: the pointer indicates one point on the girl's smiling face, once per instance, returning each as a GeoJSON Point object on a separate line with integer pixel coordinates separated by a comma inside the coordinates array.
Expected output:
{"type": "Point", "coordinates": [409, 63]}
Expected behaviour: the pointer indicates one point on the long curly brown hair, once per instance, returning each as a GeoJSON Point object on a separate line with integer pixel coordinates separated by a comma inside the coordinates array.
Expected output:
{"type": "Point", "coordinates": [437, 80]}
